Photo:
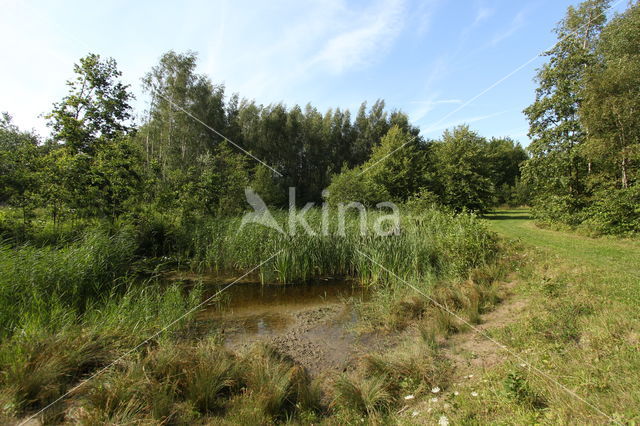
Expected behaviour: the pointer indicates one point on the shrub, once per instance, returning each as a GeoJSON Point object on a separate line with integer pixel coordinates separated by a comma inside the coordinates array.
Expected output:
{"type": "Point", "coordinates": [352, 186]}
{"type": "Point", "coordinates": [614, 211]}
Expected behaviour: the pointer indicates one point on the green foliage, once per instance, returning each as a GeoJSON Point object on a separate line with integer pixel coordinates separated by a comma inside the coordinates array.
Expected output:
{"type": "Point", "coordinates": [612, 94]}
{"type": "Point", "coordinates": [557, 208]}
{"type": "Point", "coordinates": [517, 387]}
{"type": "Point", "coordinates": [614, 211]}
{"type": "Point", "coordinates": [92, 166]}
{"type": "Point", "coordinates": [584, 123]}
{"type": "Point", "coordinates": [398, 164]}
{"type": "Point", "coordinates": [97, 106]}
{"type": "Point", "coordinates": [215, 184]}
{"type": "Point", "coordinates": [422, 200]}
{"type": "Point", "coordinates": [556, 166]}
{"type": "Point", "coordinates": [20, 167]}
{"type": "Point", "coordinates": [180, 158]}
{"type": "Point", "coordinates": [116, 177]}
{"type": "Point", "coordinates": [462, 171]}
{"type": "Point", "coordinates": [353, 186]}
{"type": "Point", "coordinates": [462, 165]}
{"type": "Point", "coordinates": [303, 145]}
{"type": "Point", "coordinates": [504, 158]}
{"type": "Point", "coordinates": [264, 183]}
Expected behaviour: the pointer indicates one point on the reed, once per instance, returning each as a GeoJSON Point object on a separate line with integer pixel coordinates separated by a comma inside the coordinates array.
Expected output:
{"type": "Point", "coordinates": [67, 310]}
{"type": "Point", "coordinates": [430, 245]}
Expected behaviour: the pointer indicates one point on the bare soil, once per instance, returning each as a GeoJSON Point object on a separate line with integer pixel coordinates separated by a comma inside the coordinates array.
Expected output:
{"type": "Point", "coordinates": [319, 338]}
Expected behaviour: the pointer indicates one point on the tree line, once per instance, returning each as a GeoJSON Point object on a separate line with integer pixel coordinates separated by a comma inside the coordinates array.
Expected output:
{"type": "Point", "coordinates": [197, 149]}
{"type": "Point", "coordinates": [585, 122]}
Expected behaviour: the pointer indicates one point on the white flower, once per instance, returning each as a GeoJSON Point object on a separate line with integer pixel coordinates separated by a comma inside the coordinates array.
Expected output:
{"type": "Point", "coordinates": [470, 376]}
{"type": "Point", "coordinates": [435, 390]}
{"type": "Point", "coordinates": [415, 413]}
{"type": "Point", "coordinates": [408, 397]}
{"type": "Point", "coordinates": [446, 406]}
{"type": "Point", "coordinates": [474, 393]}
{"type": "Point", "coordinates": [456, 393]}
{"type": "Point", "coordinates": [523, 365]}
{"type": "Point", "coordinates": [434, 400]}
{"type": "Point", "coordinates": [444, 421]}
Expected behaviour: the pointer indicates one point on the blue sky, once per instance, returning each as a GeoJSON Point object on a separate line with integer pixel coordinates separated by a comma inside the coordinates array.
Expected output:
{"type": "Point", "coordinates": [428, 58]}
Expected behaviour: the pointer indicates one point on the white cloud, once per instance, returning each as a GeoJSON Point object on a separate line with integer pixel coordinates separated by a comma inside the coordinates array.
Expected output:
{"type": "Point", "coordinates": [368, 39]}
{"type": "Point", "coordinates": [482, 14]}
{"type": "Point", "coordinates": [312, 41]}
{"type": "Point", "coordinates": [516, 23]}
{"type": "Point", "coordinates": [425, 107]}
{"type": "Point", "coordinates": [424, 15]}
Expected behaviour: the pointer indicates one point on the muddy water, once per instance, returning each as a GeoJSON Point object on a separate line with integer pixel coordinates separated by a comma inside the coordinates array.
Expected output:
{"type": "Point", "coordinates": [311, 322]}
{"type": "Point", "coordinates": [248, 309]}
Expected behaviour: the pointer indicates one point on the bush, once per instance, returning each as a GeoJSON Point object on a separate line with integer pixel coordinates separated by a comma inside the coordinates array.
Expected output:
{"type": "Point", "coordinates": [551, 209]}
{"type": "Point", "coordinates": [423, 200]}
{"type": "Point", "coordinates": [610, 211]}
{"type": "Point", "coordinates": [352, 186]}
{"type": "Point", "coordinates": [615, 211]}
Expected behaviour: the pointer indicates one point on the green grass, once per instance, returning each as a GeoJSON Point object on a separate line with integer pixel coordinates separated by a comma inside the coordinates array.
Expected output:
{"type": "Point", "coordinates": [615, 263]}
{"type": "Point", "coordinates": [431, 245]}
{"type": "Point", "coordinates": [42, 361]}
{"type": "Point", "coordinates": [581, 326]}
{"type": "Point", "coordinates": [70, 309]}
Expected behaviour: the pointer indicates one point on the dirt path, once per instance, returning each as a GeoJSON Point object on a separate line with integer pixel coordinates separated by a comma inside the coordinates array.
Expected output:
{"type": "Point", "coordinates": [471, 350]}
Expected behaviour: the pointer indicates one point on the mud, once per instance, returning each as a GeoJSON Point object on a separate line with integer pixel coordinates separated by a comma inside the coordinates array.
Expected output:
{"type": "Point", "coordinates": [313, 323]}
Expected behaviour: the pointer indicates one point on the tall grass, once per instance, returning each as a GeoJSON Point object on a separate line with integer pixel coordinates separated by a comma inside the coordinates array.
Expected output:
{"type": "Point", "coordinates": [381, 382]}
{"type": "Point", "coordinates": [66, 311]}
{"type": "Point", "coordinates": [180, 383]}
{"type": "Point", "coordinates": [36, 282]}
{"type": "Point", "coordinates": [40, 365]}
{"type": "Point", "coordinates": [430, 244]}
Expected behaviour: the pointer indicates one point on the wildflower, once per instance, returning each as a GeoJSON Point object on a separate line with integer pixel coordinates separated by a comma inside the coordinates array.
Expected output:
{"type": "Point", "coordinates": [456, 393]}
{"type": "Point", "coordinates": [523, 365]}
{"type": "Point", "coordinates": [474, 393]}
{"type": "Point", "coordinates": [408, 397]}
{"type": "Point", "coordinates": [443, 421]}
{"type": "Point", "coordinates": [415, 413]}
{"type": "Point", "coordinates": [435, 390]}
{"type": "Point", "coordinates": [434, 400]}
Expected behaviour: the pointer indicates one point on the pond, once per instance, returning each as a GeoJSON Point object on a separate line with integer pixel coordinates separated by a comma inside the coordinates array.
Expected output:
{"type": "Point", "coordinates": [249, 310]}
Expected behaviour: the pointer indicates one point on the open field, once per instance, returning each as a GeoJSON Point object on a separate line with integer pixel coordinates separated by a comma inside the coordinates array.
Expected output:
{"type": "Point", "coordinates": [575, 319]}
